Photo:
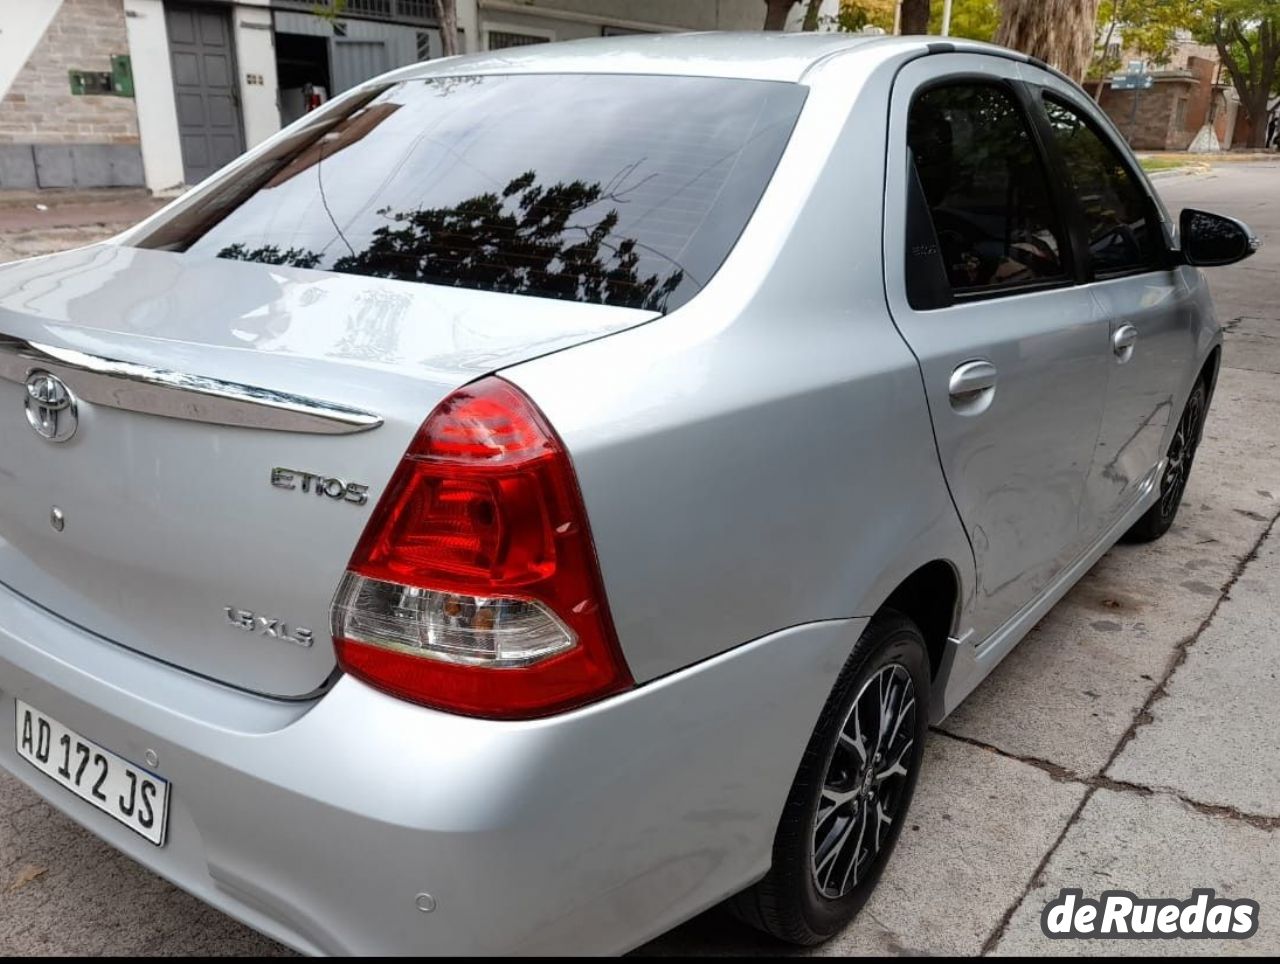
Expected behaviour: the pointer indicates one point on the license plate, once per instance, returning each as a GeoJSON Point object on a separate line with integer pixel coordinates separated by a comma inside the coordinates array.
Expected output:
{"type": "Point", "coordinates": [136, 797]}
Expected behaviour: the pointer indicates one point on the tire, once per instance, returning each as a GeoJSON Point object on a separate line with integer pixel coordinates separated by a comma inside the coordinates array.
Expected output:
{"type": "Point", "coordinates": [1156, 521]}
{"type": "Point", "coordinates": [806, 900]}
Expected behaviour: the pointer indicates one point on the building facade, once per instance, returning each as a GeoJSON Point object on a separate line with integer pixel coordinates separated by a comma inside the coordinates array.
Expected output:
{"type": "Point", "coordinates": [161, 93]}
{"type": "Point", "coordinates": [1191, 104]}
{"type": "Point", "coordinates": [60, 124]}
{"type": "Point", "coordinates": [1175, 111]}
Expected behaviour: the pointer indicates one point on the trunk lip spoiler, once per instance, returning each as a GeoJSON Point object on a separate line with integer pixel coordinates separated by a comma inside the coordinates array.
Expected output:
{"type": "Point", "coordinates": [170, 394]}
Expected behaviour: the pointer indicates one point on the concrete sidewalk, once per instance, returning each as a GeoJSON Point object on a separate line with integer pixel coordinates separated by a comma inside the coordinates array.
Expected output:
{"type": "Point", "coordinates": [36, 222]}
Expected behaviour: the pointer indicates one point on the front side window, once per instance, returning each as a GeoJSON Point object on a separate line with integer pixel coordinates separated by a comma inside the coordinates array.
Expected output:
{"type": "Point", "coordinates": [1116, 212]}
{"type": "Point", "coordinates": [985, 188]}
{"type": "Point", "coordinates": [613, 189]}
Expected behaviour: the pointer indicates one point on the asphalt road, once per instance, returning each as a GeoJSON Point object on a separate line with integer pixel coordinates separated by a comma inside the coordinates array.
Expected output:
{"type": "Point", "coordinates": [1132, 741]}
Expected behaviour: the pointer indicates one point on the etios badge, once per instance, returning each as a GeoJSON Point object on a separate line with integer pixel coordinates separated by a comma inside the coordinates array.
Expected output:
{"type": "Point", "coordinates": [51, 408]}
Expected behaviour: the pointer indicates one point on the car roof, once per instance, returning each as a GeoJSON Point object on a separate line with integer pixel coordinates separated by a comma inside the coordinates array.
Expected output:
{"type": "Point", "coordinates": [755, 55]}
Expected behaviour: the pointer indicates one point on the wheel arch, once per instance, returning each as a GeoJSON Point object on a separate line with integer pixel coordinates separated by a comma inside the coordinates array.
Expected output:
{"type": "Point", "coordinates": [930, 598]}
{"type": "Point", "coordinates": [1209, 370]}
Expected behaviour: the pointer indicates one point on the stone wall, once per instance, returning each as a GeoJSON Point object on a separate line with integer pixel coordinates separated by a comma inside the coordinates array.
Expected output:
{"type": "Point", "coordinates": [50, 137]}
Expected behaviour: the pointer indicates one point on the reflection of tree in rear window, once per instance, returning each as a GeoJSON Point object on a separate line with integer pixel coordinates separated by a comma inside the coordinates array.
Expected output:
{"type": "Point", "coordinates": [621, 190]}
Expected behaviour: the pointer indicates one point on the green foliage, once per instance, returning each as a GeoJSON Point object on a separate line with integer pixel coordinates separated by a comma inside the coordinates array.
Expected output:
{"type": "Point", "coordinates": [1246, 34]}
{"type": "Point", "coordinates": [856, 14]}
{"type": "Point", "coordinates": [329, 10]}
{"type": "Point", "coordinates": [970, 19]}
{"type": "Point", "coordinates": [1148, 27]}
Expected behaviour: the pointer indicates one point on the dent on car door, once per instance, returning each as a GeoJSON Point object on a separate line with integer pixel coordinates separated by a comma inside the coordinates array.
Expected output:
{"type": "Point", "coordinates": [1013, 354]}
{"type": "Point", "coordinates": [1149, 313]}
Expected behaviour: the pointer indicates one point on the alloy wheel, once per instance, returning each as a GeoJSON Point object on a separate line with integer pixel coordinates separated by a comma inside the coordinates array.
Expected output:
{"type": "Point", "coordinates": [865, 780]}
{"type": "Point", "coordinates": [1181, 451]}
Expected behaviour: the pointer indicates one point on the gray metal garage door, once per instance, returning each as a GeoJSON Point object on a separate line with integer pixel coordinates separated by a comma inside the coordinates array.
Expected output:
{"type": "Point", "coordinates": [355, 61]}
{"type": "Point", "coordinates": [359, 49]}
{"type": "Point", "coordinates": [205, 87]}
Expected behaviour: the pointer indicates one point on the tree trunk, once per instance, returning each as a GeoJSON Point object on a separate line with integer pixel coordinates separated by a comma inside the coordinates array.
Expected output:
{"type": "Point", "coordinates": [775, 14]}
{"type": "Point", "coordinates": [811, 15]}
{"type": "Point", "coordinates": [1258, 120]}
{"type": "Point", "coordinates": [447, 15]}
{"type": "Point", "coordinates": [1059, 32]}
{"type": "Point", "coordinates": [1106, 46]}
{"type": "Point", "coordinates": [915, 16]}
{"type": "Point", "coordinates": [1254, 79]}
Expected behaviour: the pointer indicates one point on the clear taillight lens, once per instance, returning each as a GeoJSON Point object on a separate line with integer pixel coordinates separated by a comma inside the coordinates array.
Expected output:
{"type": "Point", "coordinates": [449, 626]}
{"type": "Point", "coordinates": [475, 587]}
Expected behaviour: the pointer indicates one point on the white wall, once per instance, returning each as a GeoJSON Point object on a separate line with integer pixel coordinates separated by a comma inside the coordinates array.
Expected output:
{"type": "Point", "coordinates": [469, 24]}
{"type": "Point", "coordinates": [256, 59]}
{"type": "Point", "coordinates": [22, 24]}
{"type": "Point", "coordinates": [153, 94]}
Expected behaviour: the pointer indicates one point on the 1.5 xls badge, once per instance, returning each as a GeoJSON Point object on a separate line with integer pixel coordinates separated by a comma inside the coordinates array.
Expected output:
{"type": "Point", "coordinates": [268, 626]}
{"type": "Point", "coordinates": [335, 489]}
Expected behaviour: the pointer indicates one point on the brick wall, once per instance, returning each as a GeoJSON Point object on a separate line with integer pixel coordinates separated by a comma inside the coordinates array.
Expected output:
{"type": "Point", "coordinates": [40, 108]}
{"type": "Point", "coordinates": [51, 138]}
{"type": "Point", "coordinates": [1155, 126]}
{"type": "Point", "coordinates": [1202, 96]}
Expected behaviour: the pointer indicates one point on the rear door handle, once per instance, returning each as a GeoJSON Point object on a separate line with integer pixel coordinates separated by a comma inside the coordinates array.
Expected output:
{"type": "Point", "coordinates": [1123, 340]}
{"type": "Point", "coordinates": [971, 377]}
{"type": "Point", "coordinates": [972, 386]}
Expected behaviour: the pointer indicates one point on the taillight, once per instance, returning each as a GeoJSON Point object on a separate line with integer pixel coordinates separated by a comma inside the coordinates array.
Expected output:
{"type": "Point", "coordinates": [475, 586]}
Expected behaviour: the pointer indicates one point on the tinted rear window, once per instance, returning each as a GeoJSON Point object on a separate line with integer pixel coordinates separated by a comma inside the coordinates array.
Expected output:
{"type": "Point", "coordinates": [621, 190]}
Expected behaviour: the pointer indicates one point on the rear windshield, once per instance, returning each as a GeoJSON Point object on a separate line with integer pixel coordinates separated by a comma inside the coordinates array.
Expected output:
{"type": "Point", "coordinates": [620, 190]}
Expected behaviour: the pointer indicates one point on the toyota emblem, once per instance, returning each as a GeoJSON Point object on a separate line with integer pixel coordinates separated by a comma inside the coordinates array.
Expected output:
{"type": "Point", "coordinates": [51, 408]}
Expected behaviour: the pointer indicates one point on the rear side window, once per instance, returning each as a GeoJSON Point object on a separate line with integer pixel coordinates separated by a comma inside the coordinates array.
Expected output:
{"type": "Point", "coordinates": [985, 188]}
{"type": "Point", "coordinates": [1115, 209]}
{"type": "Point", "coordinates": [622, 190]}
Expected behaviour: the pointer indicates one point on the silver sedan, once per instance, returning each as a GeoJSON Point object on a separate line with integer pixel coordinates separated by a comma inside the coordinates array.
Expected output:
{"type": "Point", "coordinates": [540, 495]}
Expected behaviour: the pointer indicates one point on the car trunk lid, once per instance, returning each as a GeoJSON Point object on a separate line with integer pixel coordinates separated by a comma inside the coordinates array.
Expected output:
{"type": "Point", "coordinates": [235, 425]}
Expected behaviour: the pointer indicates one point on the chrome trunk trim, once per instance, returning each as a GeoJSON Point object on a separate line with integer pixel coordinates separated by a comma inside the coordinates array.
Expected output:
{"type": "Point", "coordinates": [170, 394]}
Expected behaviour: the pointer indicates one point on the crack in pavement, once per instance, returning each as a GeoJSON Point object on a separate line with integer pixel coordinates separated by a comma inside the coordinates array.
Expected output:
{"type": "Point", "coordinates": [1141, 718]}
{"type": "Point", "coordinates": [1061, 774]}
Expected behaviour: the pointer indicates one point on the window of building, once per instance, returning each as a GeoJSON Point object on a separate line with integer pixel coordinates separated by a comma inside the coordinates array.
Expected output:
{"type": "Point", "coordinates": [501, 39]}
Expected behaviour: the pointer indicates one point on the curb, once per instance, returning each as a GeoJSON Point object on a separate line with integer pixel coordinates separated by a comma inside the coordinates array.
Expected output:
{"type": "Point", "coordinates": [1185, 171]}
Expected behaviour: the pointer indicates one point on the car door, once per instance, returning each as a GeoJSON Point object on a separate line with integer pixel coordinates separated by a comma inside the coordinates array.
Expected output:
{"type": "Point", "coordinates": [1149, 312]}
{"type": "Point", "coordinates": [981, 281]}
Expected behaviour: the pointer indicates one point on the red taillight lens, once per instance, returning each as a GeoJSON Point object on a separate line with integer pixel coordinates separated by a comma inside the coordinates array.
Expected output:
{"type": "Point", "coordinates": [475, 586]}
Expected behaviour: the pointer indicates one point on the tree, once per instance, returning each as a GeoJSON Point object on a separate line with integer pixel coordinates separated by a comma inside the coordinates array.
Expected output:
{"type": "Point", "coordinates": [1059, 32]}
{"type": "Point", "coordinates": [447, 17]}
{"type": "Point", "coordinates": [1247, 35]}
{"type": "Point", "coordinates": [915, 16]}
{"type": "Point", "coordinates": [529, 239]}
{"type": "Point", "coordinates": [970, 19]}
{"type": "Point", "coordinates": [857, 14]}
{"type": "Point", "coordinates": [775, 13]}
{"type": "Point", "coordinates": [811, 15]}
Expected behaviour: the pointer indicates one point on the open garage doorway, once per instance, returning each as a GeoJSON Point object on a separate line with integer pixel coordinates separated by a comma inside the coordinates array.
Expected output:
{"type": "Point", "coordinates": [302, 69]}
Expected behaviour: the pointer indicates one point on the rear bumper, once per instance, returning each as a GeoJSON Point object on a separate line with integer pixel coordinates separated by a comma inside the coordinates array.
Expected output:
{"type": "Point", "coordinates": [320, 823]}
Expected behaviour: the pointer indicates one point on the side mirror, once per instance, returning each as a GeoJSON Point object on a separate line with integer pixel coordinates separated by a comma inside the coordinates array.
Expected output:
{"type": "Point", "coordinates": [1211, 240]}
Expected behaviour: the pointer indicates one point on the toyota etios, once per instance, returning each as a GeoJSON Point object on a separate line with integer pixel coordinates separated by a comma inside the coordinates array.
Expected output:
{"type": "Point", "coordinates": [542, 494]}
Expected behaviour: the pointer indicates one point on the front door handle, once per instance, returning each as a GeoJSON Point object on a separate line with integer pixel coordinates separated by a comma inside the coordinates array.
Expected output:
{"type": "Point", "coordinates": [1123, 339]}
{"type": "Point", "coordinates": [972, 387]}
